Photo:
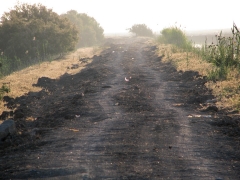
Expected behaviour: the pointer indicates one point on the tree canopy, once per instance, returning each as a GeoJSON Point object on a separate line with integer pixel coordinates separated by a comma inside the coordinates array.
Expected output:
{"type": "Point", "coordinates": [141, 30]}
{"type": "Point", "coordinates": [90, 32]}
{"type": "Point", "coordinates": [33, 32]}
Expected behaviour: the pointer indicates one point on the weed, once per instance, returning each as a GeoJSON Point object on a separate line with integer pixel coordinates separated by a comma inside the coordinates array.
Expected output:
{"type": "Point", "coordinates": [218, 73]}
{"type": "Point", "coordinates": [226, 51]}
{"type": "Point", "coordinates": [4, 89]}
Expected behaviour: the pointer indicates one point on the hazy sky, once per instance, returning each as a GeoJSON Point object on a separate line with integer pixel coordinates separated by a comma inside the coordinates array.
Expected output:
{"type": "Point", "coordinates": [118, 15]}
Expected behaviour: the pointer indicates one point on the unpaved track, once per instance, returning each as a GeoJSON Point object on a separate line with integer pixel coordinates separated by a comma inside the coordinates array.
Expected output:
{"type": "Point", "coordinates": [134, 129]}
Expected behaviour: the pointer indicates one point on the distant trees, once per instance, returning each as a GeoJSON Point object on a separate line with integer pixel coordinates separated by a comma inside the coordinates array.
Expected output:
{"type": "Point", "coordinates": [90, 32]}
{"type": "Point", "coordinates": [32, 32]}
{"type": "Point", "coordinates": [141, 30]}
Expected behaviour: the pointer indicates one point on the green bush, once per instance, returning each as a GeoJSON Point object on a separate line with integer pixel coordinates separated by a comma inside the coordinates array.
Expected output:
{"type": "Point", "coordinates": [175, 36]}
{"type": "Point", "coordinates": [141, 30]}
{"type": "Point", "coordinates": [4, 89]}
{"type": "Point", "coordinates": [32, 33]}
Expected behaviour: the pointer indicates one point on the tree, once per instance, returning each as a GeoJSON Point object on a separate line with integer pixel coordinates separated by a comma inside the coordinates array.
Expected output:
{"type": "Point", "coordinates": [31, 32]}
{"type": "Point", "coordinates": [90, 32]}
{"type": "Point", "coordinates": [141, 30]}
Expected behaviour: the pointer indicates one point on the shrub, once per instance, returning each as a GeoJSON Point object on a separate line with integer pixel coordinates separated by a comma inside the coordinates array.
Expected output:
{"type": "Point", "coordinates": [141, 30]}
{"type": "Point", "coordinates": [32, 33]}
{"type": "Point", "coordinates": [175, 36]}
{"type": "Point", "coordinates": [4, 89]}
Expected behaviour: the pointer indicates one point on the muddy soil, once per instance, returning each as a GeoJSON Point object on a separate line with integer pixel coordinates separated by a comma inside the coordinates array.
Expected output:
{"type": "Point", "coordinates": [126, 116]}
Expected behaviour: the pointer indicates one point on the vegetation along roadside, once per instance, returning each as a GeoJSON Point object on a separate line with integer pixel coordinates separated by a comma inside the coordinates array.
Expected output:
{"type": "Point", "coordinates": [219, 62]}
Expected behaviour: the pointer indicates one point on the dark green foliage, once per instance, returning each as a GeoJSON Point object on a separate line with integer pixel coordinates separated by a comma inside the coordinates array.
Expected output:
{"type": "Point", "coordinates": [30, 33]}
{"type": "Point", "coordinates": [90, 32]}
{"type": "Point", "coordinates": [141, 30]}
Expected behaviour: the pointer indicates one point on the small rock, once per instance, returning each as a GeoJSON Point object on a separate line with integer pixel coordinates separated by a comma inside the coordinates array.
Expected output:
{"type": "Point", "coordinates": [7, 128]}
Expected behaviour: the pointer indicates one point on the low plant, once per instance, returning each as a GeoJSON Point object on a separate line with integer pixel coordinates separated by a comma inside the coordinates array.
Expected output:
{"type": "Point", "coordinates": [4, 89]}
{"type": "Point", "coordinates": [224, 54]}
{"type": "Point", "coordinates": [174, 35]}
{"type": "Point", "coordinates": [141, 30]}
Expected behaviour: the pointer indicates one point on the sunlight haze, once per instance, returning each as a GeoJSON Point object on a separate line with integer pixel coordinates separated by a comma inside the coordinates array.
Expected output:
{"type": "Point", "coordinates": [116, 16]}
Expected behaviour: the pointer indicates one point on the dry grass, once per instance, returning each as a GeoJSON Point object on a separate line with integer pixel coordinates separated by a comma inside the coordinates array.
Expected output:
{"type": "Point", "coordinates": [227, 92]}
{"type": "Point", "coordinates": [21, 81]}
{"type": "Point", "coordinates": [182, 60]}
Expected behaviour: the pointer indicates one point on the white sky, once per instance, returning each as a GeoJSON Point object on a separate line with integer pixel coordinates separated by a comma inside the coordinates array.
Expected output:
{"type": "Point", "coordinates": [116, 16]}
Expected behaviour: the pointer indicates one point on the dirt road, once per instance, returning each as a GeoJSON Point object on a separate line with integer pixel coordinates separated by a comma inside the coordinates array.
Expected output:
{"type": "Point", "coordinates": [126, 116]}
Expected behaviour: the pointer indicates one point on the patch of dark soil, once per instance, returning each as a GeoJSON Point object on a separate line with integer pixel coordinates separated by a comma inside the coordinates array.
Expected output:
{"type": "Point", "coordinates": [18, 113]}
{"type": "Point", "coordinates": [106, 86]}
{"type": "Point", "coordinates": [210, 108]}
{"type": "Point", "coordinates": [134, 100]}
{"type": "Point", "coordinates": [198, 99]}
{"type": "Point", "coordinates": [190, 75]}
{"type": "Point", "coordinates": [191, 87]}
{"type": "Point", "coordinates": [45, 82]}
{"type": "Point", "coordinates": [227, 125]}
{"type": "Point", "coordinates": [6, 114]}
{"type": "Point", "coordinates": [226, 121]}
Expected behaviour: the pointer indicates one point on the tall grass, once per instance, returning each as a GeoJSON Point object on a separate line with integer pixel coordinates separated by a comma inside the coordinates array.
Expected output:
{"type": "Point", "coordinates": [9, 65]}
{"type": "Point", "coordinates": [224, 54]}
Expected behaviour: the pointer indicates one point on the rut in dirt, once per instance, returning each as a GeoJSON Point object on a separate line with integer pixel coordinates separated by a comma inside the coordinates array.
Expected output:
{"type": "Point", "coordinates": [124, 117]}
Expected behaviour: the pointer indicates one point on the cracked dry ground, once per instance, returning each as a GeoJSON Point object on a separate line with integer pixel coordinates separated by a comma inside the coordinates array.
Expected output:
{"type": "Point", "coordinates": [136, 129]}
